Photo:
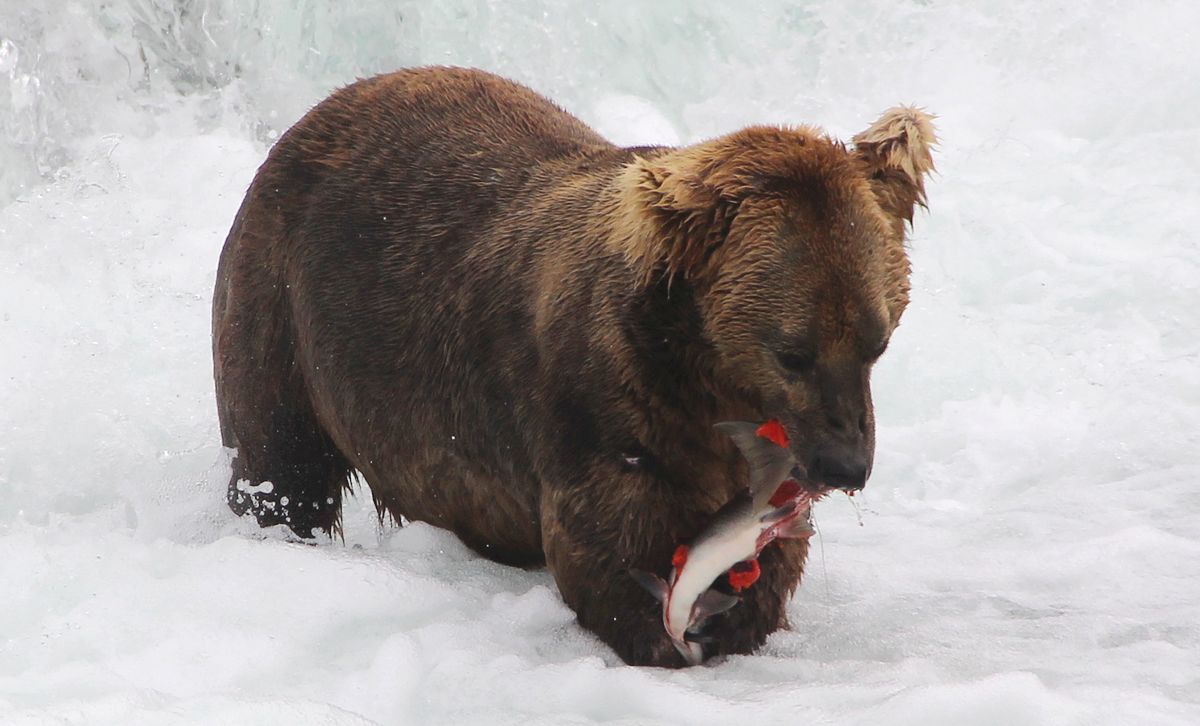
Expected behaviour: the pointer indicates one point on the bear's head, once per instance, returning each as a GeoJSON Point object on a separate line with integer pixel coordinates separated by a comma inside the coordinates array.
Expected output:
{"type": "Point", "coordinates": [794, 245]}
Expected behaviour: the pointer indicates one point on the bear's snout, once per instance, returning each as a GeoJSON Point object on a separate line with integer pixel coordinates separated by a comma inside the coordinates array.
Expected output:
{"type": "Point", "coordinates": [840, 466]}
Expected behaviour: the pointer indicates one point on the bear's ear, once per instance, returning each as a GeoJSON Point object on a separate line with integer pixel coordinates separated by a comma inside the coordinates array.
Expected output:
{"type": "Point", "coordinates": [895, 154]}
{"type": "Point", "coordinates": [674, 209]}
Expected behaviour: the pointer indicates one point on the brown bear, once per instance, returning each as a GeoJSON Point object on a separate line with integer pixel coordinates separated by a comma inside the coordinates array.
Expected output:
{"type": "Point", "coordinates": [520, 332]}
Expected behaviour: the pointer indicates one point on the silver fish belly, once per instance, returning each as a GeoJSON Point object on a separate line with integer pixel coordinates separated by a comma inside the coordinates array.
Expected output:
{"type": "Point", "coordinates": [736, 533]}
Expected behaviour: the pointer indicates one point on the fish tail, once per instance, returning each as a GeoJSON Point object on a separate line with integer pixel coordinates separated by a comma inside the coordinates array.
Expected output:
{"type": "Point", "coordinates": [769, 463]}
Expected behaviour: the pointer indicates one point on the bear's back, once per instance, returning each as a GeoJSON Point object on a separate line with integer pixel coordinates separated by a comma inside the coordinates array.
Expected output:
{"type": "Point", "coordinates": [446, 123]}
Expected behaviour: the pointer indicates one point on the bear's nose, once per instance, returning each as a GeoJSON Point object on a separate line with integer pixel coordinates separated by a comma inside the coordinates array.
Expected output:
{"type": "Point", "coordinates": [840, 468]}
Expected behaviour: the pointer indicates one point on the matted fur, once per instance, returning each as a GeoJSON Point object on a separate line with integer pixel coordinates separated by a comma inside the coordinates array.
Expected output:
{"type": "Point", "coordinates": [525, 334]}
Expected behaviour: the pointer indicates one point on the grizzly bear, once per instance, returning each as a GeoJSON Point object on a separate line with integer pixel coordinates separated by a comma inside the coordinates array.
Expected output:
{"type": "Point", "coordinates": [520, 332]}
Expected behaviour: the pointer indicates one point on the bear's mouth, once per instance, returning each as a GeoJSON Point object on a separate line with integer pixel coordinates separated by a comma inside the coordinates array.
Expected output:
{"type": "Point", "coordinates": [811, 489]}
{"type": "Point", "coordinates": [805, 492]}
{"type": "Point", "coordinates": [813, 492]}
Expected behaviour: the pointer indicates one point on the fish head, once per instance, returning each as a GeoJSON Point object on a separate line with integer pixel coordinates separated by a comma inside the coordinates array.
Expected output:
{"type": "Point", "coordinates": [693, 653]}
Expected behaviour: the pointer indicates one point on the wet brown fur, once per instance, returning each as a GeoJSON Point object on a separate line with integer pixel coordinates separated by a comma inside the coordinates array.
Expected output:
{"type": "Point", "coordinates": [518, 331]}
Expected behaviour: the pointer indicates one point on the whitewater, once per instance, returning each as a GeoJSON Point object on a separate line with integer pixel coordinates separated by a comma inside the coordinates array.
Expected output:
{"type": "Point", "coordinates": [1026, 552]}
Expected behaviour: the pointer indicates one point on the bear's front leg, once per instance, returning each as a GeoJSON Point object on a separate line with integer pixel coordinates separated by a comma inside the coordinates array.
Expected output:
{"type": "Point", "coordinates": [590, 546]}
{"type": "Point", "coordinates": [593, 533]}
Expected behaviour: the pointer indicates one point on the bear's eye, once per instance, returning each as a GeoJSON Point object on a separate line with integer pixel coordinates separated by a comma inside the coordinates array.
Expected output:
{"type": "Point", "coordinates": [878, 351]}
{"type": "Point", "coordinates": [797, 361]}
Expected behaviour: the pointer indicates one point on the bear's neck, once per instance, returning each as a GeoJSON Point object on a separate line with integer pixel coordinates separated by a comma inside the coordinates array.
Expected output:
{"type": "Point", "coordinates": [674, 364]}
{"type": "Point", "coordinates": [669, 376]}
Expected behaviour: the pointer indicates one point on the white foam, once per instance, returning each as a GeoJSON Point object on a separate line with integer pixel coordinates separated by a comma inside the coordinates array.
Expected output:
{"type": "Point", "coordinates": [1029, 550]}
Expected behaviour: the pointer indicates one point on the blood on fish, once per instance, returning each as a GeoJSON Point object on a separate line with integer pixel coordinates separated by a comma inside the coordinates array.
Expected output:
{"type": "Point", "coordinates": [680, 557]}
{"type": "Point", "coordinates": [774, 432]}
{"type": "Point", "coordinates": [786, 492]}
{"type": "Point", "coordinates": [744, 574]}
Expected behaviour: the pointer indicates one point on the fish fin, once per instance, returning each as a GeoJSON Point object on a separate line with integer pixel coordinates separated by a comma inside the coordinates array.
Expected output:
{"type": "Point", "coordinates": [654, 584]}
{"type": "Point", "coordinates": [769, 463]}
{"type": "Point", "coordinates": [798, 528]}
{"type": "Point", "coordinates": [778, 514]}
{"type": "Point", "coordinates": [711, 603]}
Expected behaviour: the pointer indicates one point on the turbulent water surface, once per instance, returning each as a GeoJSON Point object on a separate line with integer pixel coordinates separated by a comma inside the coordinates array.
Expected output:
{"type": "Point", "coordinates": [1028, 550]}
